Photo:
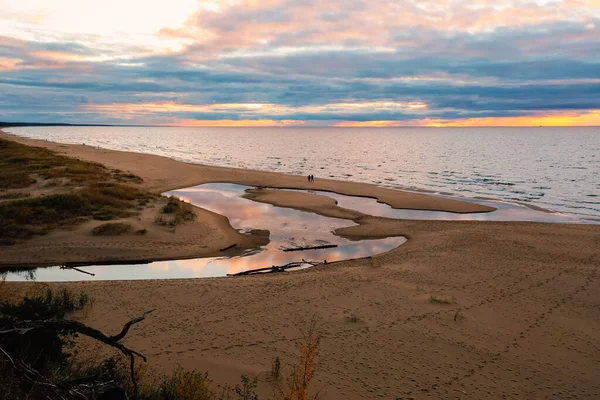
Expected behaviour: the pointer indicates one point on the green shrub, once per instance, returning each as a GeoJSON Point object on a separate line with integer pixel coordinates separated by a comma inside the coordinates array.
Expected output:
{"type": "Point", "coordinates": [94, 194]}
{"type": "Point", "coordinates": [439, 300]}
{"type": "Point", "coordinates": [181, 211]}
{"type": "Point", "coordinates": [43, 350]}
{"type": "Point", "coordinates": [15, 180]}
{"type": "Point", "coordinates": [112, 229]}
{"type": "Point", "coordinates": [186, 385]}
{"type": "Point", "coordinates": [14, 195]}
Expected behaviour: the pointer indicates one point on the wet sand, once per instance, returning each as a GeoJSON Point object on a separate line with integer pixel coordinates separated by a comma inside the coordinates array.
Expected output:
{"type": "Point", "coordinates": [523, 320]}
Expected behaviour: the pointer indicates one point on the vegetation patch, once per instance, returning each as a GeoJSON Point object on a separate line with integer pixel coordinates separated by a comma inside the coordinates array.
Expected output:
{"type": "Point", "coordinates": [14, 195]}
{"type": "Point", "coordinates": [178, 211]}
{"type": "Point", "coordinates": [37, 360]}
{"type": "Point", "coordinates": [18, 162]}
{"type": "Point", "coordinates": [439, 300]}
{"type": "Point", "coordinates": [353, 318]}
{"type": "Point", "coordinates": [112, 229]}
{"type": "Point", "coordinates": [85, 190]}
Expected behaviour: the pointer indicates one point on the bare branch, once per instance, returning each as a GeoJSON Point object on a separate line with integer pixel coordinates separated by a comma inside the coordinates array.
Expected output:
{"type": "Point", "coordinates": [77, 269]}
{"type": "Point", "coordinates": [24, 327]}
{"type": "Point", "coordinates": [128, 325]}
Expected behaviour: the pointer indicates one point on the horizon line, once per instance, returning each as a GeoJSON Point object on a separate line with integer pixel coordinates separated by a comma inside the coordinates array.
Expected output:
{"type": "Point", "coordinates": [4, 124]}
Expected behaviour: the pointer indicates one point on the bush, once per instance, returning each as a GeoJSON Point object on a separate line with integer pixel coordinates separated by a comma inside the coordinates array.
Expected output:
{"type": "Point", "coordinates": [14, 195]}
{"type": "Point", "coordinates": [186, 385]}
{"type": "Point", "coordinates": [182, 212]}
{"type": "Point", "coordinates": [45, 210]}
{"type": "Point", "coordinates": [96, 194]}
{"type": "Point", "coordinates": [439, 300]}
{"type": "Point", "coordinates": [15, 180]}
{"type": "Point", "coordinates": [112, 229]}
{"type": "Point", "coordinates": [42, 350]}
{"type": "Point", "coordinates": [53, 304]}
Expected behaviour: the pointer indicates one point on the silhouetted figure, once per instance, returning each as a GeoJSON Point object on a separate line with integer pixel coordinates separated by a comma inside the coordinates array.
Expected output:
{"type": "Point", "coordinates": [309, 178]}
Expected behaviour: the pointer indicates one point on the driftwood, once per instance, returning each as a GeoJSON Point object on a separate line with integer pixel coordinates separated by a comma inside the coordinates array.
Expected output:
{"type": "Point", "coordinates": [276, 268]}
{"type": "Point", "coordinates": [77, 269]}
{"type": "Point", "coordinates": [324, 246]}
{"type": "Point", "coordinates": [24, 327]}
{"type": "Point", "coordinates": [283, 268]}
{"type": "Point", "coordinates": [228, 247]}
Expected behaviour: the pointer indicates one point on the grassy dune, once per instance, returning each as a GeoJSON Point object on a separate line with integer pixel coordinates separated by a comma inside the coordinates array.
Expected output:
{"type": "Point", "coordinates": [74, 191]}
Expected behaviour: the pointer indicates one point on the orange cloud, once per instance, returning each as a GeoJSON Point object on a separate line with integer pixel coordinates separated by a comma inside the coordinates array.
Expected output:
{"type": "Point", "coordinates": [581, 118]}
{"type": "Point", "coordinates": [9, 64]}
{"type": "Point", "coordinates": [585, 118]}
{"type": "Point", "coordinates": [371, 124]}
{"type": "Point", "coordinates": [57, 55]}
{"type": "Point", "coordinates": [258, 108]}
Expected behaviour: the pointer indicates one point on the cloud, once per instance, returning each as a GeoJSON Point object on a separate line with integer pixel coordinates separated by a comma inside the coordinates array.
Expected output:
{"type": "Point", "coordinates": [332, 61]}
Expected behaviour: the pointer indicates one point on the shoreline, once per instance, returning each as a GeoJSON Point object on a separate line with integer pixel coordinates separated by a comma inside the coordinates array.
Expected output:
{"type": "Point", "coordinates": [396, 187]}
{"type": "Point", "coordinates": [201, 238]}
{"type": "Point", "coordinates": [521, 319]}
{"type": "Point", "coordinates": [434, 193]}
{"type": "Point", "coordinates": [200, 173]}
{"type": "Point", "coordinates": [215, 230]}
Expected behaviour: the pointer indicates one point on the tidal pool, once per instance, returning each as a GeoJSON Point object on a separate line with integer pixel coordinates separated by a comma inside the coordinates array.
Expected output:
{"type": "Point", "coordinates": [505, 211]}
{"type": "Point", "coordinates": [288, 228]}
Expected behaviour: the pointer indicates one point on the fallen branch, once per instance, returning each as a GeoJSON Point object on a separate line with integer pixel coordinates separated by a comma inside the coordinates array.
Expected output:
{"type": "Point", "coordinates": [325, 246]}
{"type": "Point", "coordinates": [276, 268]}
{"type": "Point", "coordinates": [228, 247]}
{"type": "Point", "coordinates": [24, 327]}
{"type": "Point", "coordinates": [77, 269]}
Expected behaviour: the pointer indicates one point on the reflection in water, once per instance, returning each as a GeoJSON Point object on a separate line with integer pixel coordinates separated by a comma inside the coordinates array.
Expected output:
{"type": "Point", "coordinates": [288, 228]}
{"type": "Point", "coordinates": [505, 211]}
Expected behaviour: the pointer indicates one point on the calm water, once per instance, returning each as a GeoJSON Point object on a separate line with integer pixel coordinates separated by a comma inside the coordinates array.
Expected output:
{"type": "Point", "coordinates": [288, 229]}
{"type": "Point", "coordinates": [505, 211]}
{"type": "Point", "coordinates": [555, 168]}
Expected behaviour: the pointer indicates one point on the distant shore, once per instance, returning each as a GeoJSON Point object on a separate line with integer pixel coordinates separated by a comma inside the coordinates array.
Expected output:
{"type": "Point", "coordinates": [464, 309]}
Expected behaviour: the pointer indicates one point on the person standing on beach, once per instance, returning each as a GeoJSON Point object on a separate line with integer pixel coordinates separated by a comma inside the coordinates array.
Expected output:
{"type": "Point", "coordinates": [309, 178]}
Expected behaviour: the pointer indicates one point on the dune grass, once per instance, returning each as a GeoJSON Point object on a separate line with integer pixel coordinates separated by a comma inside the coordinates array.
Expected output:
{"type": "Point", "coordinates": [439, 300]}
{"type": "Point", "coordinates": [178, 212]}
{"type": "Point", "coordinates": [83, 191]}
{"type": "Point", "coordinates": [112, 229]}
{"type": "Point", "coordinates": [14, 195]}
{"type": "Point", "coordinates": [19, 162]}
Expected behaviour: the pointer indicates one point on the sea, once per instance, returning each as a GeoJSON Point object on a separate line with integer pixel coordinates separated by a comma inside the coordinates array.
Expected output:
{"type": "Point", "coordinates": [554, 168]}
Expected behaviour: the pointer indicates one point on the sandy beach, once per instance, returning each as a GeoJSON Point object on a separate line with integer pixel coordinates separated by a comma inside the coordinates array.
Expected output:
{"type": "Point", "coordinates": [210, 232]}
{"type": "Point", "coordinates": [469, 310]}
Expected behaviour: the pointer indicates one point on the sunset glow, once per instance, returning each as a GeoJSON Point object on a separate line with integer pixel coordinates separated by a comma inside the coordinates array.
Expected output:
{"type": "Point", "coordinates": [230, 62]}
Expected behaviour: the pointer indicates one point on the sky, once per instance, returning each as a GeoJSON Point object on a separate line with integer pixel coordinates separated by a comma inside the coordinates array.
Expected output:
{"type": "Point", "coordinates": [349, 63]}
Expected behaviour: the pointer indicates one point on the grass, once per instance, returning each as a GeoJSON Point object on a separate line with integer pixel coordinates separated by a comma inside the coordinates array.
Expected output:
{"type": "Point", "coordinates": [56, 359]}
{"type": "Point", "coordinates": [353, 318]}
{"type": "Point", "coordinates": [14, 195]}
{"type": "Point", "coordinates": [51, 304]}
{"type": "Point", "coordinates": [85, 190]}
{"type": "Point", "coordinates": [179, 212]}
{"type": "Point", "coordinates": [439, 300]}
{"type": "Point", "coordinates": [22, 219]}
{"type": "Point", "coordinates": [19, 162]}
{"type": "Point", "coordinates": [112, 229]}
